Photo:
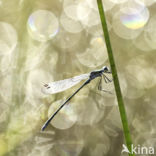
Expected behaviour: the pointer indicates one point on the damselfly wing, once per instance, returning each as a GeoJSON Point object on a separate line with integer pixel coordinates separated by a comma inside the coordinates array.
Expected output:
{"type": "Point", "coordinates": [62, 85]}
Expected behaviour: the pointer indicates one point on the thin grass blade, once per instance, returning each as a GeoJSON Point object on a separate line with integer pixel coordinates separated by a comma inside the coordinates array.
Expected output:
{"type": "Point", "coordinates": [115, 79]}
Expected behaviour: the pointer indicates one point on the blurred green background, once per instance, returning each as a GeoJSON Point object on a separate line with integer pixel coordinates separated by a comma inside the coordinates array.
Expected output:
{"type": "Point", "coordinates": [44, 41]}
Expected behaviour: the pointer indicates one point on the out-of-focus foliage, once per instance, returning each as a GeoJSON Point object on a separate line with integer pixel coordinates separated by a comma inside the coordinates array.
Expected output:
{"type": "Point", "coordinates": [43, 41]}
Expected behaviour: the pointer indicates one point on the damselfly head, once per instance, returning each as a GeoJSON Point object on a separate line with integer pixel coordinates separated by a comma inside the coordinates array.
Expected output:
{"type": "Point", "coordinates": [105, 69]}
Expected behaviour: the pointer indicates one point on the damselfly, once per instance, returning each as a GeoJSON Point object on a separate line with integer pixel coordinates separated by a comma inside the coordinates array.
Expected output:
{"type": "Point", "coordinates": [59, 86]}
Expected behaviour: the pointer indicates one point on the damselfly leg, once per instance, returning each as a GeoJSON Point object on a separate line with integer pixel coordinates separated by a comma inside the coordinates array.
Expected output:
{"type": "Point", "coordinates": [107, 80]}
{"type": "Point", "coordinates": [100, 83]}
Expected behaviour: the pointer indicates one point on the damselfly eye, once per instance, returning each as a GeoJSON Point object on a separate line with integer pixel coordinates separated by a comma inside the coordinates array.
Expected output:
{"type": "Point", "coordinates": [105, 69]}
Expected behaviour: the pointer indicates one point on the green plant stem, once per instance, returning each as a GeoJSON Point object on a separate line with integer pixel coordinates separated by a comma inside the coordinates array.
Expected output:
{"type": "Point", "coordinates": [115, 78]}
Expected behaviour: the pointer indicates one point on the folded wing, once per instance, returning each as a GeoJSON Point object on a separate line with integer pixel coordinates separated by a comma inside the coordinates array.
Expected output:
{"type": "Point", "coordinates": [62, 85]}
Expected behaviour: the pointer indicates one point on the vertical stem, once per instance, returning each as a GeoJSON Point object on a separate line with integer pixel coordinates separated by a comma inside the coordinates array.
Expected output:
{"type": "Point", "coordinates": [115, 78]}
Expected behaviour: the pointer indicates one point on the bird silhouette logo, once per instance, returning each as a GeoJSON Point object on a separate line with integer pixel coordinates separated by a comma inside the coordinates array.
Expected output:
{"type": "Point", "coordinates": [125, 149]}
